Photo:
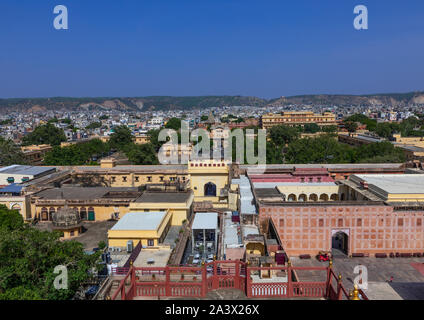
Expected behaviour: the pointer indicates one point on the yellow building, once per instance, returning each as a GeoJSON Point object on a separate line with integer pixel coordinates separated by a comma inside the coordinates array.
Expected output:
{"type": "Point", "coordinates": [109, 174]}
{"type": "Point", "coordinates": [298, 118]}
{"type": "Point", "coordinates": [149, 228]}
{"type": "Point", "coordinates": [141, 139]}
{"type": "Point", "coordinates": [34, 154]}
{"type": "Point", "coordinates": [209, 180]}
{"type": "Point", "coordinates": [178, 204]}
{"type": "Point", "coordinates": [20, 203]}
{"type": "Point", "coordinates": [93, 204]}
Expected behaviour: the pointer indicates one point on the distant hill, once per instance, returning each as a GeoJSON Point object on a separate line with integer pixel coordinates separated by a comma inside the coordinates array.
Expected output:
{"type": "Point", "coordinates": [184, 103]}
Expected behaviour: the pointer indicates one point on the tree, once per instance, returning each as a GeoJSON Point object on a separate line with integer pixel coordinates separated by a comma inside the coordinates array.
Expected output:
{"type": "Point", "coordinates": [311, 128]}
{"type": "Point", "coordinates": [144, 154]}
{"type": "Point", "coordinates": [28, 258]}
{"type": "Point", "coordinates": [10, 219]}
{"type": "Point", "coordinates": [282, 135]}
{"type": "Point", "coordinates": [173, 123]}
{"type": "Point", "coordinates": [10, 153]}
{"type": "Point", "coordinates": [204, 118]}
{"type": "Point", "coordinates": [329, 129]}
{"type": "Point", "coordinates": [45, 134]}
{"type": "Point", "coordinates": [351, 126]}
{"type": "Point", "coordinates": [77, 154]}
{"type": "Point", "coordinates": [121, 137]}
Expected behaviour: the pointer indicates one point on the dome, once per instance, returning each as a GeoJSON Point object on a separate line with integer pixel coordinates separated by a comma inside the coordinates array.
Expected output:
{"type": "Point", "coordinates": [66, 218]}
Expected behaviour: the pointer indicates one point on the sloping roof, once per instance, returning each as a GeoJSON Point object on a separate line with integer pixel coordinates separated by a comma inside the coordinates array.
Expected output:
{"type": "Point", "coordinates": [140, 221]}
{"type": "Point", "coordinates": [205, 220]}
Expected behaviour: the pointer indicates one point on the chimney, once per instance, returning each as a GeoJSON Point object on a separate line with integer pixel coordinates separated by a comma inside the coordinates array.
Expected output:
{"type": "Point", "coordinates": [107, 163]}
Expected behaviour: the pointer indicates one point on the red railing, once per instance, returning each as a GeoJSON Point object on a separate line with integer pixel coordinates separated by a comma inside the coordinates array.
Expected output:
{"type": "Point", "coordinates": [198, 281]}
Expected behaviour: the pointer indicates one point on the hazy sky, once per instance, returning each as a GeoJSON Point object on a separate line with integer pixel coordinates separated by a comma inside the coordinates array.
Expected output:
{"type": "Point", "coordinates": [202, 47]}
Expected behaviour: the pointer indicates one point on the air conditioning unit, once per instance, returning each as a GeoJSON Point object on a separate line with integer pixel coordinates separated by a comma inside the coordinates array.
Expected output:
{"type": "Point", "coordinates": [130, 246]}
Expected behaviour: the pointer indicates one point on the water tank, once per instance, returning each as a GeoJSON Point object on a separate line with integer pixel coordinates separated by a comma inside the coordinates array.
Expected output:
{"type": "Point", "coordinates": [130, 246]}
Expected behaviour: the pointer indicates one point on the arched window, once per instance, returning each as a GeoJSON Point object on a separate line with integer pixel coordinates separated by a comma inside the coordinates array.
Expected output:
{"type": "Point", "coordinates": [83, 213]}
{"type": "Point", "coordinates": [16, 207]}
{"type": "Point", "coordinates": [334, 197]}
{"type": "Point", "coordinates": [51, 211]}
{"type": "Point", "coordinates": [313, 197]}
{"type": "Point", "coordinates": [323, 197]}
{"type": "Point", "coordinates": [292, 197]}
{"type": "Point", "coordinates": [210, 189]}
{"type": "Point", "coordinates": [303, 198]}
{"type": "Point", "coordinates": [44, 214]}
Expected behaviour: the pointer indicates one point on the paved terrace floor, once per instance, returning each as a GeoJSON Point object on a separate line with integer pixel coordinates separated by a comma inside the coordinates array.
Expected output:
{"type": "Point", "coordinates": [93, 233]}
{"type": "Point", "coordinates": [408, 281]}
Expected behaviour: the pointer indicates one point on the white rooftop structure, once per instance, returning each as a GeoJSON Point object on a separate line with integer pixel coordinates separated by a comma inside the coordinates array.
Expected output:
{"type": "Point", "coordinates": [205, 220]}
{"type": "Point", "coordinates": [272, 185]}
{"type": "Point", "coordinates": [246, 195]}
{"type": "Point", "coordinates": [140, 221]}
{"type": "Point", "coordinates": [395, 183]}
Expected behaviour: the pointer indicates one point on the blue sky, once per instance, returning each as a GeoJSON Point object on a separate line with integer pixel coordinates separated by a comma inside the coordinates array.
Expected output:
{"type": "Point", "coordinates": [266, 48]}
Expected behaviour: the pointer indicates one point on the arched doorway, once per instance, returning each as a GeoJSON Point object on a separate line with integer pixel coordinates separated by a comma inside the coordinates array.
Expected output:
{"type": "Point", "coordinates": [16, 207]}
{"type": "Point", "coordinates": [83, 213]}
{"type": "Point", "coordinates": [91, 214]}
{"type": "Point", "coordinates": [44, 215]}
{"type": "Point", "coordinates": [210, 189]}
{"type": "Point", "coordinates": [51, 212]}
{"type": "Point", "coordinates": [340, 243]}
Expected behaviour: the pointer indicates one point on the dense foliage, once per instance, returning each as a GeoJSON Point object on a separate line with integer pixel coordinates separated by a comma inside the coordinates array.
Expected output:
{"type": "Point", "coordinates": [10, 153]}
{"type": "Point", "coordinates": [120, 138]}
{"type": "Point", "coordinates": [28, 258]}
{"type": "Point", "coordinates": [326, 149]}
{"type": "Point", "coordinates": [45, 134]}
{"type": "Point", "coordinates": [77, 154]}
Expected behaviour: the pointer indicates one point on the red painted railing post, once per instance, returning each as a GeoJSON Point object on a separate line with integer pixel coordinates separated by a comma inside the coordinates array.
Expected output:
{"type": "Point", "coordinates": [167, 282]}
{"type": "Point", "coordinates": [339, 288]}
{"type": "Point", "coordinates": [289, 280]}
{"type": "Point", "coordinates": [248, 283]}
{"type": "Point", "coordinates": [237, 275]}
{"type": "Point", "coordinates": [204, 280]}
{"type": "Point", "coordinates": [215, 276]}
{"type": "Point", "coordinates": [328, 282]}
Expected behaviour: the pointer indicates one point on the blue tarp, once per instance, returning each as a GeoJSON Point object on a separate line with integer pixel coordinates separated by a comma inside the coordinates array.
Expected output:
{"type": "Point", "coordinates": [13, 188]}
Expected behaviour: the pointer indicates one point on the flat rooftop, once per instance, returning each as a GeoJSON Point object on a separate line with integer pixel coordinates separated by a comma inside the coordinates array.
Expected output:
{"type": "Point", "coordinates": [140, 221]}
{"type": "Point", "coordinates": [25, 170]}
{"type": "Point", "coordinates": [205, 220]}
{"type": "Point", "coordinates": [168, 197]}
{"type": "Point", "coordinates": [84, 193]}
{"type": "Point", "coordinates": [265, 185]}
{"type": "Point", "coordinates": [396, 183]}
